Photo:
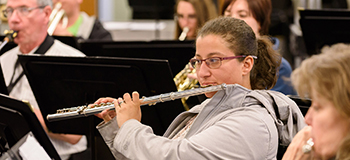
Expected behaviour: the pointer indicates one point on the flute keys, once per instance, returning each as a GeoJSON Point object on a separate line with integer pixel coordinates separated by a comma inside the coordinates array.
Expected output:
{"type": "Point", "coordinates": [65, 110]}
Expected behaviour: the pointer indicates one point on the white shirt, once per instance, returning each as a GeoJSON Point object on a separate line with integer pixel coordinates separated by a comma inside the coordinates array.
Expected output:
{"type": "Point", "coordinates": [23, 91]}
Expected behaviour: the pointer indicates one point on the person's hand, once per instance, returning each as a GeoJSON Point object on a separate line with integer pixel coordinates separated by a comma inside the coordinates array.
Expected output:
{"type": "Point", "coordinates": [128, 108]}
{"type": "Point", "coordinates": [294, 150]}
{"type": "Point", "coordinates": [107, 114]}
{"type": "Point", "coordinates": [61, 30]}
{"type": "Point", "coordinates": [192, 76]}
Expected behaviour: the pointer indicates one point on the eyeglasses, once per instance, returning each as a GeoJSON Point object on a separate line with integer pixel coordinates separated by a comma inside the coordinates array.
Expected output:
{"type": "Point", "coordinates": [214, 62]}
{"type": "Point", "coordinates": [22, 11]}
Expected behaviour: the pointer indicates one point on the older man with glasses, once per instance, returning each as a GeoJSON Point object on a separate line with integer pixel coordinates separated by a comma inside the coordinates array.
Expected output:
{"type": "Point", "coordinates": [30, 18]}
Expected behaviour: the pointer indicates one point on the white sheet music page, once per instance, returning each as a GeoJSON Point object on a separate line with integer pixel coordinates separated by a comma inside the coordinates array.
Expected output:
{"type": "Point", "coordinates": [32, 150]}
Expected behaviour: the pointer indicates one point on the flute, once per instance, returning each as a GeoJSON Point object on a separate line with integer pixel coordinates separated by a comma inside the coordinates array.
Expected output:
{"type": "Point", "coordinates": [87, 110]}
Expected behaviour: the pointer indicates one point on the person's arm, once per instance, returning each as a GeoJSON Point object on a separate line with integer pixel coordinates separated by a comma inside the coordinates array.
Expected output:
{"type": "Point", "coordinates": [70, 138]}
{"type": "Point", "coordinates": [109, 127]}
{"type": "Point", "coordinates": [240, 135]}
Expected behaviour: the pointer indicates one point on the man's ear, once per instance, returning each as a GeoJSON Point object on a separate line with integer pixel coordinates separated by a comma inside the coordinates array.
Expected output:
{"type": "Point", "coordinates": [248, 64]}
{"type": "Point", "coordinates": [47, 10]}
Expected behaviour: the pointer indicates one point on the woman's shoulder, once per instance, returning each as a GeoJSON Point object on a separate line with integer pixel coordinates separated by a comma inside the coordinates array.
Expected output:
{"type": "Point", "coordinates": [285, 66]}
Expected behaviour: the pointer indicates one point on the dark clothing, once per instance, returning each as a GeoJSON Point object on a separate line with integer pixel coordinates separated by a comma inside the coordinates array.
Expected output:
{"type": "Point", "coordinates": [99, 33]}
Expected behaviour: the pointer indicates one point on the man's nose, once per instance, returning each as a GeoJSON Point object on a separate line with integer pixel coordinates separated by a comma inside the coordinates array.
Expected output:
{"type": "Point", "coordinates": [14, 17]}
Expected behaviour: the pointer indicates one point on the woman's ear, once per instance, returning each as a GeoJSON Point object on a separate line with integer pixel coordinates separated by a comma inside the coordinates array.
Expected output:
{"type": "Point", "coordinates": [248, 63]}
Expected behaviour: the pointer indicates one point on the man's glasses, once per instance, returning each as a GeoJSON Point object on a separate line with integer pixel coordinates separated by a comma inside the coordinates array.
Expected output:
{"type": "Point", "coordinates": [214, 62]}
{"type": "Point", "coordinates": [22, 11]}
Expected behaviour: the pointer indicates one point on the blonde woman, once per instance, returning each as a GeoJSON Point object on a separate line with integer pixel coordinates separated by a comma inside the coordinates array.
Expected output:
{"type": "Point", "coordinates": [192, 14]}
{"type": "Point", "coordinates": [326, 79]}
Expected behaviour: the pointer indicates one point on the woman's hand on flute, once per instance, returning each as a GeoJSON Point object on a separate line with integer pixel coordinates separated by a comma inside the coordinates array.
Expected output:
{"type": "Point", "coordinates": [106, 114]}
{"type": "Point", "coordinates": [128, 108]}
{"type": "Point", "coordinates": [294, 150]}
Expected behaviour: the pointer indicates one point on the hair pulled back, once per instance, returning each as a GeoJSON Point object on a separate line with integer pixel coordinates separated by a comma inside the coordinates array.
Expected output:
{"type": "Point", "coordinates": [241, 40]}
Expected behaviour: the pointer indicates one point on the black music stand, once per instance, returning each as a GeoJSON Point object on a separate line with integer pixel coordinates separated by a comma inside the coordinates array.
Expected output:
{"type": "Point", "coordinates": [62, 82]}
{"type": "Point", "coordinates": [324, 27]}
{"type": "Point", "coordinates": [3, 87]}
{"type": "Point", "coordinates": [16, 120]}
{"type": "Point", "coordinates": [152, 9]}
{"type": "Point", "coordinates": [178, 53]}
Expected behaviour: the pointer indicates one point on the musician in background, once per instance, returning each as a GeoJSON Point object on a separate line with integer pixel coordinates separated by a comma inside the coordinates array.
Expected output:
{"type": "Point", "coordinates": [190, 16]}
{"type": "Point", "coordinates": [257, 13]}
{"type": "Point", "coordinates": [239, 122]}
{"type": "Point", "coordinates": [30, 19]}
{"type": "Point", "coordinates": [79, 23]}
{"type": "Point", "coordinates": [193, 14]}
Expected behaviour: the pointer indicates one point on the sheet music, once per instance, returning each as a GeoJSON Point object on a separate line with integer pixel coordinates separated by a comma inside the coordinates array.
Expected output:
{"type": "Point", "coordinates": [32, 150]}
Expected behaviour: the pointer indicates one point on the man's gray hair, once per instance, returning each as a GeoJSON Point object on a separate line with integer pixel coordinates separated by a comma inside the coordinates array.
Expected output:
{"type": "Point", "coordinates": [44, 3]}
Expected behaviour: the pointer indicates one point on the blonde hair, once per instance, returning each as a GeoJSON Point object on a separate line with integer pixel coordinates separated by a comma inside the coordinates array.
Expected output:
{"type": "Point", "coordinates": [205, 11]}
{"type": "Point", "coordinates": [328, 74]}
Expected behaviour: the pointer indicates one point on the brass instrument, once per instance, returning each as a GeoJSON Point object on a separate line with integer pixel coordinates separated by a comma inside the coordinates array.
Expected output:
{"type": "Point", "coordinates": [55, 17]}
{"type": "Point", "coordinates": [183, 34]}
{"type": "Point", "coordinates": [182, 82]}
{"type": "Point", "coordinates": [10, 35]}
{"type": "Point", "coordinates": [87, 110]}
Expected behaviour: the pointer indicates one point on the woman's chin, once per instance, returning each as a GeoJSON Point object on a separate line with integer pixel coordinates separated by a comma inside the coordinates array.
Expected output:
{"type": "Point", "coordinates": [210, 94]}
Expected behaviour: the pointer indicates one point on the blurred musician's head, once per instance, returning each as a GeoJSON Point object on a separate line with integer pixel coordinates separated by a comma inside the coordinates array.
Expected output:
{"type": "Point", "coordinates": [30, 18]}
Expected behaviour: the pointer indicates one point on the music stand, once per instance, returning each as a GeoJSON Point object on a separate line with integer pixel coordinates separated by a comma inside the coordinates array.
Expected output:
{"type": "Point", "coordinates": [16, 120]}
{"type": "Point", "coordinates": [178, 53]}
{"type": "Point", "coordinates": [62, 82]}
{"type": "Point", "coordinates": [324, 27]}
{"type": "Point", "coordinates": [152, 9]}
{"type": "Point", "coordinates": [3, 87]}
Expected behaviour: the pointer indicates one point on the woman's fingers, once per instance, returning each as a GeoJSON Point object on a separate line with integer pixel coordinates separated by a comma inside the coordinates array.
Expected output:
{"type": "Point", "coordinates": [135, 96]}
{"type": "Point", "coordinates": [104, 100]}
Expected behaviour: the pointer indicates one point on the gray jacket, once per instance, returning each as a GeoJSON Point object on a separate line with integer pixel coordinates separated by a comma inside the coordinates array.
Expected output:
{"type": "Point", "coordinates": [236, 123]}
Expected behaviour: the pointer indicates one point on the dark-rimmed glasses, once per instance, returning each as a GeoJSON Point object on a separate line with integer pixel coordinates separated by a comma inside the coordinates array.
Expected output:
{"type": "Point", "coordinates": [214, 62]}
{"type": "Point", "coordinates": [22, 11]}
